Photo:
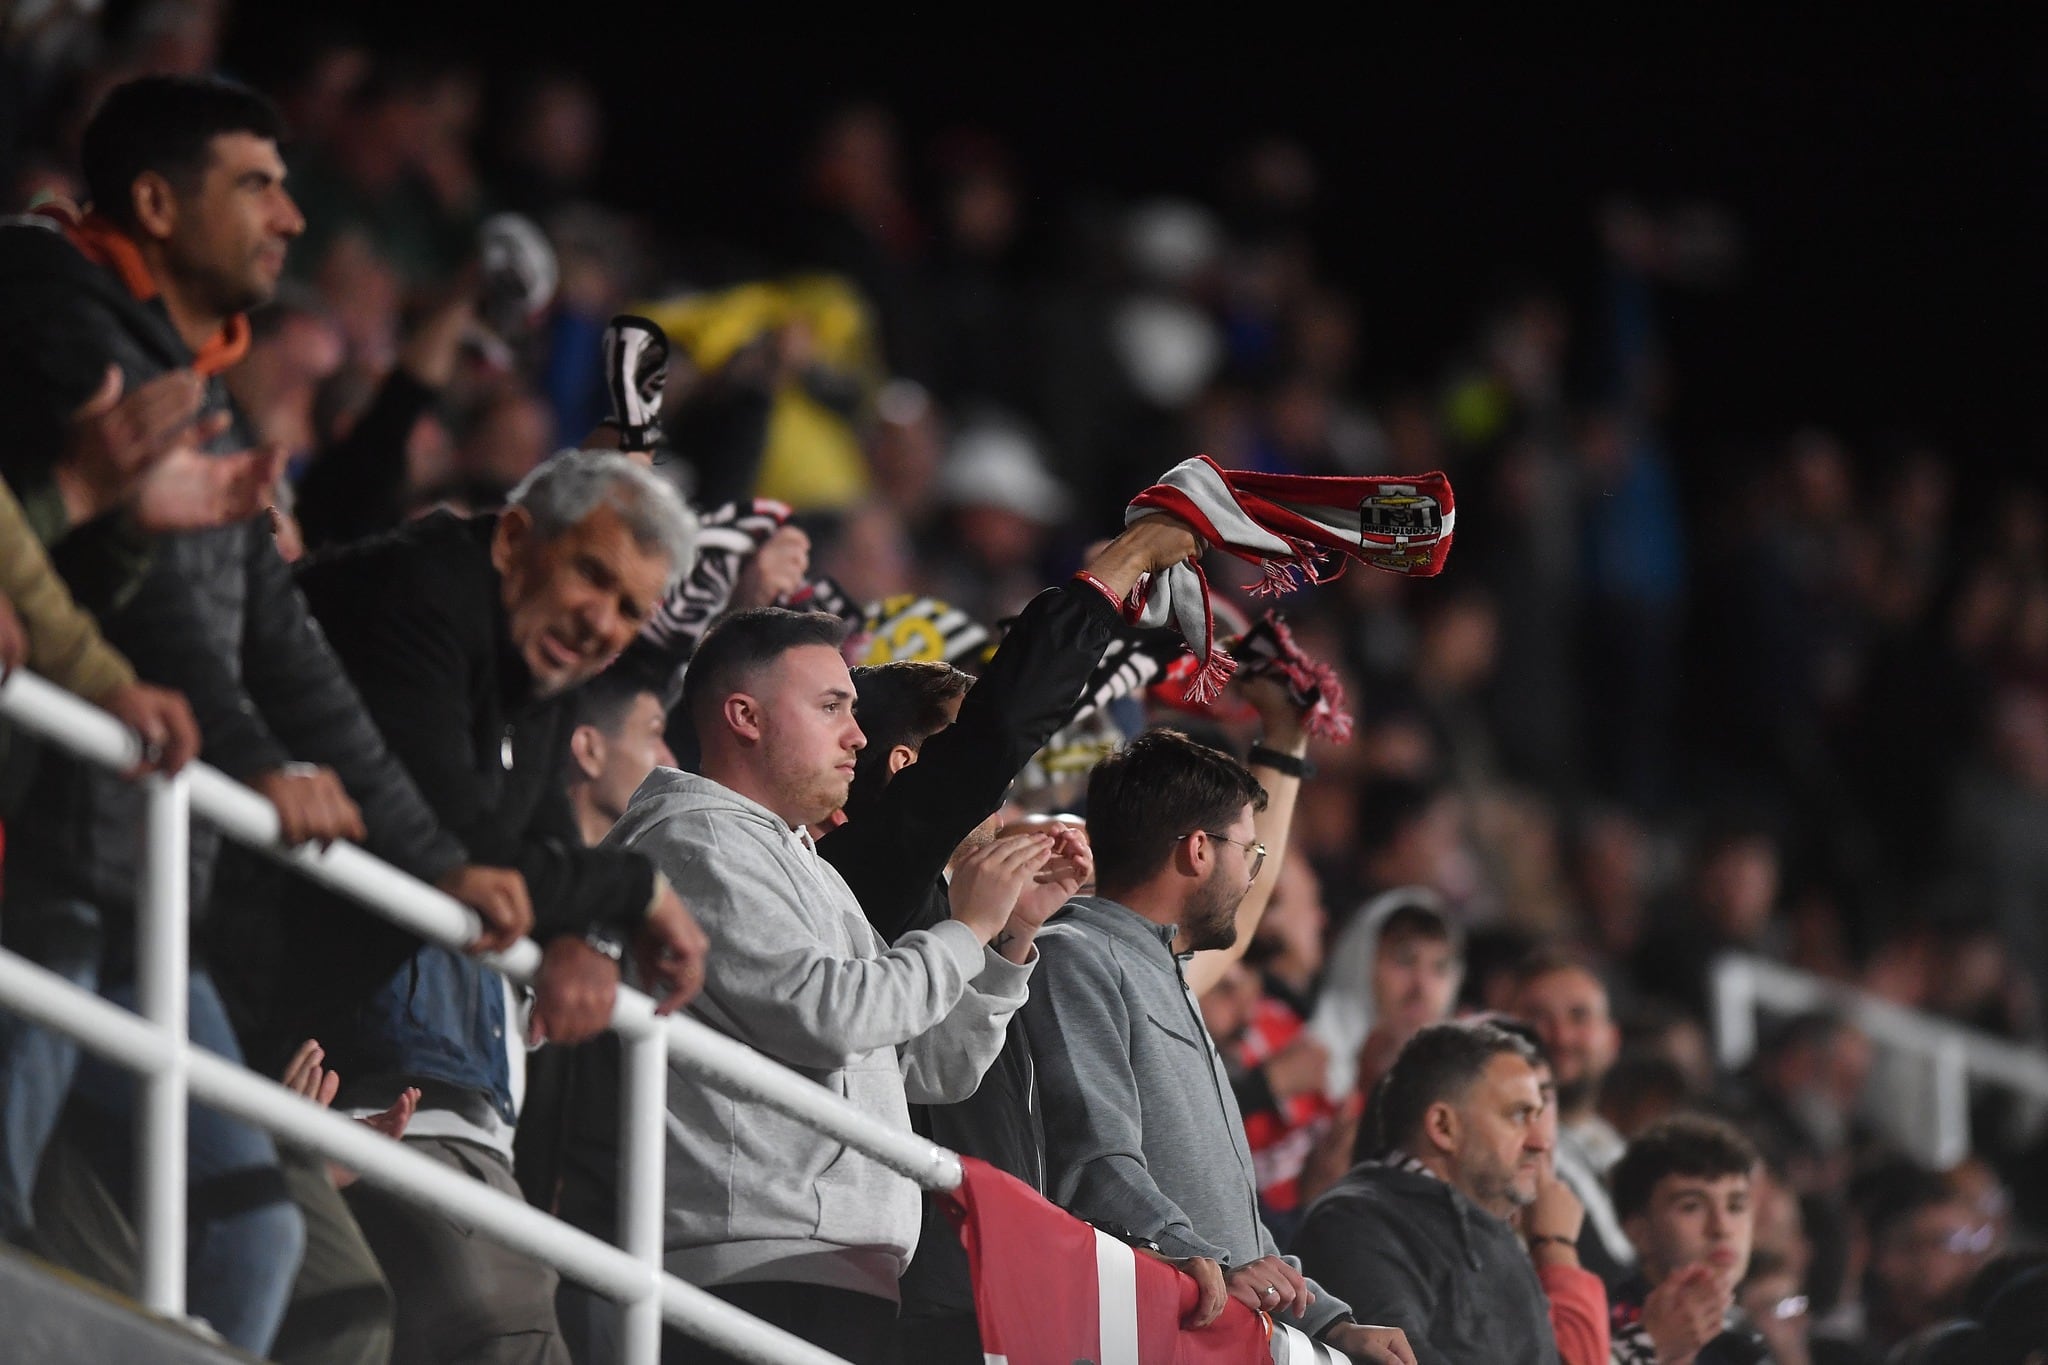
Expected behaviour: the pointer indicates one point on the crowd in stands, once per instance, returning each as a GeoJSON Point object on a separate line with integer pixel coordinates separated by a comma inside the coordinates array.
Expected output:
{"type": "Point", "coordinates": [758, 627]}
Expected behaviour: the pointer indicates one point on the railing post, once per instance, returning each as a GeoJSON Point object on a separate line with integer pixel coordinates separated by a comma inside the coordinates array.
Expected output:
{"type": "Point", "coordinates": [1734, 1011]}
{"type": "Point", "coordinates": [162, 952]}
{"type": "Point", "coordinates": [1951, 1065]}
{"type": "Point", "coordinates": [643, 1108]}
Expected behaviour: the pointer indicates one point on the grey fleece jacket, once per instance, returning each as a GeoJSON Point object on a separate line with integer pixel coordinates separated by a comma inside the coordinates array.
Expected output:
{"type": "Point", "coordinates": [796, 971]}
{"type": "Point", "coordinates": [1143, 1136]}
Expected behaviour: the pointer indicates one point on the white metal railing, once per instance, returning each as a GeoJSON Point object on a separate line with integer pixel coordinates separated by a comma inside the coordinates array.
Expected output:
{"type": "Point", "coordinates": [153, 1043]}
{"type": "Point", "coordinates": [1934, 1060]}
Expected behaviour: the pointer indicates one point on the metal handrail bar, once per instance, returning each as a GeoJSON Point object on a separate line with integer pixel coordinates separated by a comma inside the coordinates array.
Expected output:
{"type": "Point", "coordinates": [1954, 1053]}
{"type": "Point", "coordinates": [156, 1046]}
{"type": "Point", "coordinates": [135, 1043]}
{"type": "Point", "coordinates": [250, 820]}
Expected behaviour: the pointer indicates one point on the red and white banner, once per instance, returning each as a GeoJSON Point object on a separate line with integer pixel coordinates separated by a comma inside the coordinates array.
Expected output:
{"type": "Point", "coordinates": [1051, 1290]}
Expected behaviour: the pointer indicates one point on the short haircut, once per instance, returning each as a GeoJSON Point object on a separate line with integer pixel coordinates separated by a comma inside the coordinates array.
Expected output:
{"type": "Point", "coordinates": [906, 703]}
{"type": "Point", "coordinates": [1159, 786]}
{"type": "Point", "coordinates": [603, 702]}
{"type": "Point", "coordinates": [741, 645]}
{"type": "Point", "coordinates": [1523, 1029]}
{"type": "Point", "coordinates": [1439, 1064]}
{"type": "Point", "coordinates": [1550, 958]}
{"type": "Point", "coordinates": [165, 124]}
{"type": "Point", "coordinates": [562, 491]}
{"type": "Point", "coordinates": [1684, 1144]}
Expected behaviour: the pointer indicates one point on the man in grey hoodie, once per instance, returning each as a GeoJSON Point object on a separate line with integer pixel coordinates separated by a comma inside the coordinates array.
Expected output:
{"type": "Point", "coordinates": [1143, 1136]}
{"type": "Point", "coordinates": [1420, 1236]}
{"type": "Point", "coordinates": [788, 1224]}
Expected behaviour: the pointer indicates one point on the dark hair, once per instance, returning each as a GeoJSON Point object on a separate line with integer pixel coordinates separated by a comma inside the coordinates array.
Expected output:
{"type": "Point", "coordinates": [906, 703]}
{"type": "Point", "coordinates": [1160, 785]}
{"type": "Point", "coordinates": [1998, 1272]}
{"type": "Point", "coordinates": [604, 701]}
{"type": "Point", "coordinates": [1439, 1063]}
{"type": "Point", "coordinates": [1520, 1028]}
{"type": "Point", "coordinates": [165, 124]}
{"type": "Point", "coordinates": [1547, 959]}
{"type": "Point", "coordinates": [1387, 806]}
{"type": "Point", "coordinates": [1416, 920]}
{"type": "Point", "coordinates": [2016, 1319]}
{"type": "Point", "coordinates": [744, 643]}
{"type": "Point", "coordinates": [1684, 1144]}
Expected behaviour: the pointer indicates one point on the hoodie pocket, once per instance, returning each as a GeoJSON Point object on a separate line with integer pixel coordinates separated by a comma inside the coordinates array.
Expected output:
{"type": "Point", "coordinates": [860, 1201]}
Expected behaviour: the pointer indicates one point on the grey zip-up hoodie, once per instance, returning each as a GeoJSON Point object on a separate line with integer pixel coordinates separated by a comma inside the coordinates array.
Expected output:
{"type": "Point", "coordinates": [1414, 1253]}
{"type": "Point", "coordinates": [1142, 1134]}
{"type": "Point", "coordinates": [796, 971]}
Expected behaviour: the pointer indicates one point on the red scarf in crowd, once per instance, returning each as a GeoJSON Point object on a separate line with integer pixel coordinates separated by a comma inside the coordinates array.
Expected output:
{"type": "Point", "coordinates": [1300, 528]}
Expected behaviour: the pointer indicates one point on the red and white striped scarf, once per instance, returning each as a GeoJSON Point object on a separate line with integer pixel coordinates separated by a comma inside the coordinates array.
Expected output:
{"type": "Point", "coordinates": [1301, 528]}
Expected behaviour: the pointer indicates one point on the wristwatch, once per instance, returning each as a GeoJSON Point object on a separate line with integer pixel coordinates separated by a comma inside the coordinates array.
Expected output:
{"type": "Point", "coordinates": [608, 942]}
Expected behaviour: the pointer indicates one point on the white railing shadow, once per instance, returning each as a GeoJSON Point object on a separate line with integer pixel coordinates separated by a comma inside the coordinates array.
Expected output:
{"type": "Point", "coordinates": [1935, 1061]}
{"type": "Point", "coordinates": [154, 1044]}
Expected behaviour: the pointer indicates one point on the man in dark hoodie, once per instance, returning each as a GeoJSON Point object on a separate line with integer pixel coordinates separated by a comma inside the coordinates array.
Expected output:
{"type": "Point", "coordinates": [1420, 1237]}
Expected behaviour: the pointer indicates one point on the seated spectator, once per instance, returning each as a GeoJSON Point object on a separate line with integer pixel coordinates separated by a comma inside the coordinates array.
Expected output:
{"type": "Point", "coordinates": [1393, 969]}
{"type": "Point", "coordinates": [1138, 1107]}
{"type": "Point", "coordinates": [615, 740]}
{"type": "Point", "coordinates": [765, 1212]}
{"type": "Point", "coordinates": [466, 640]}
{"type": "Point", "coordinates": [1564, 1000]}
{"type": "Point", "coordinates": [1422, 1235]}
{"type": "Point", "coordinates": [1926, 1243]}
{"type": "Point", "coordinates": [1683, 1192]}
{"type": "Point", "coordinates": [1578, 1305]}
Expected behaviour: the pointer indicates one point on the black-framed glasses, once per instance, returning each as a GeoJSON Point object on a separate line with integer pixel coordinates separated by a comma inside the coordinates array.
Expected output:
{"type": "Point", "coordinates": [1254, 851]}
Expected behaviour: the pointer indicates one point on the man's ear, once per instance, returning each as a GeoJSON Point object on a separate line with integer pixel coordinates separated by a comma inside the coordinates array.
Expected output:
{"type": "Point", "coordinates": [901, 756]}
{"type": "Point", "coordinates": [742, 715]}
{"type": "Point", "coordinates": [154, 205]}
{"type": "Point", "coordinates": [1636, 1227]}
{"type": "Point", "coordinates": [1440, 1127]}
{"type": "Point", "coordinates": [586, 751]}
{"type": "Point", "coordinates": [509, 541]}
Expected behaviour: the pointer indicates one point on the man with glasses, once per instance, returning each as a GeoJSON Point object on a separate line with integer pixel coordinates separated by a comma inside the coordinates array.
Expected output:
{"type": "Point", "coordinates": [1143, 1137]}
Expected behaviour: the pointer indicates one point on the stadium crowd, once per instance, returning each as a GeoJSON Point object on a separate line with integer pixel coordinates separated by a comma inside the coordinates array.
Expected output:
{"type": "Point", "coordinates": [757, 626]}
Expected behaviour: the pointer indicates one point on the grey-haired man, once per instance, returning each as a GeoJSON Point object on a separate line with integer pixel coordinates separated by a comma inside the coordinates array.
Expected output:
{"type": "Point", "coordinates": [466, 639]}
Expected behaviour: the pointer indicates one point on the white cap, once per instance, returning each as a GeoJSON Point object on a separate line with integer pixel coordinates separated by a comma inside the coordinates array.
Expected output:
{"type": "Point", "coordinates": [994, 464]}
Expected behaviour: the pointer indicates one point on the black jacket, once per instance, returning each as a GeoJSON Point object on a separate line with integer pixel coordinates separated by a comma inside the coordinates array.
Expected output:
{"type": "Point", "coordinates": [415, 619]}
{"type": "Point", "coordinates": [215, 616]}
{"type": "Point", "coordinates": [1408, 1251]}
{"type": "Point", "coordinates": [893, 854]}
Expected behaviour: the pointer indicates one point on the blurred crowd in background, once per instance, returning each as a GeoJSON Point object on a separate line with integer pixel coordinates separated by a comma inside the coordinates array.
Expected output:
{"type": "Point", "coordinates": [1804, 715]}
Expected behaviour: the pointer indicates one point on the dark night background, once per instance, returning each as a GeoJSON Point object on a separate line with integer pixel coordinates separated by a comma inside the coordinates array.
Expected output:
{"type": "Point", "coordinates": [1892, 190]}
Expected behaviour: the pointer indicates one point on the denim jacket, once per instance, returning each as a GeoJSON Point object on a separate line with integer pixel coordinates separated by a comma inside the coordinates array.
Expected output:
{"type": "Point", "coordinates": [440, 1017]}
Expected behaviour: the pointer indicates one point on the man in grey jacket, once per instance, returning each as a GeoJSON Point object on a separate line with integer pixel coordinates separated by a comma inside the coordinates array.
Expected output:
{"type": "Point", "coordinates": [788, 1224]}
{"type": "Point", "coordinates": [1143, 1136]}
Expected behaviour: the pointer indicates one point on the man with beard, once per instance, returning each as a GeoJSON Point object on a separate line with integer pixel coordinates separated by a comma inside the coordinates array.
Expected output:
{"type": "Point", "coordinates": [1559, 994]}
{"type": "Point", "coordinates": [1422, 1237]}
{"type": "Point", "coordinates": [1138, 1110]}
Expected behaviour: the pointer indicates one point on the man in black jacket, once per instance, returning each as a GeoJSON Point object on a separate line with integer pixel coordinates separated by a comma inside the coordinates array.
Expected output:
{"type": "Point", "coordinates": [189, 230]}
{"type": "Point", "coordinates": [1420, 1238]}
{"type": "Point", "coordinates": [468, 639]}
